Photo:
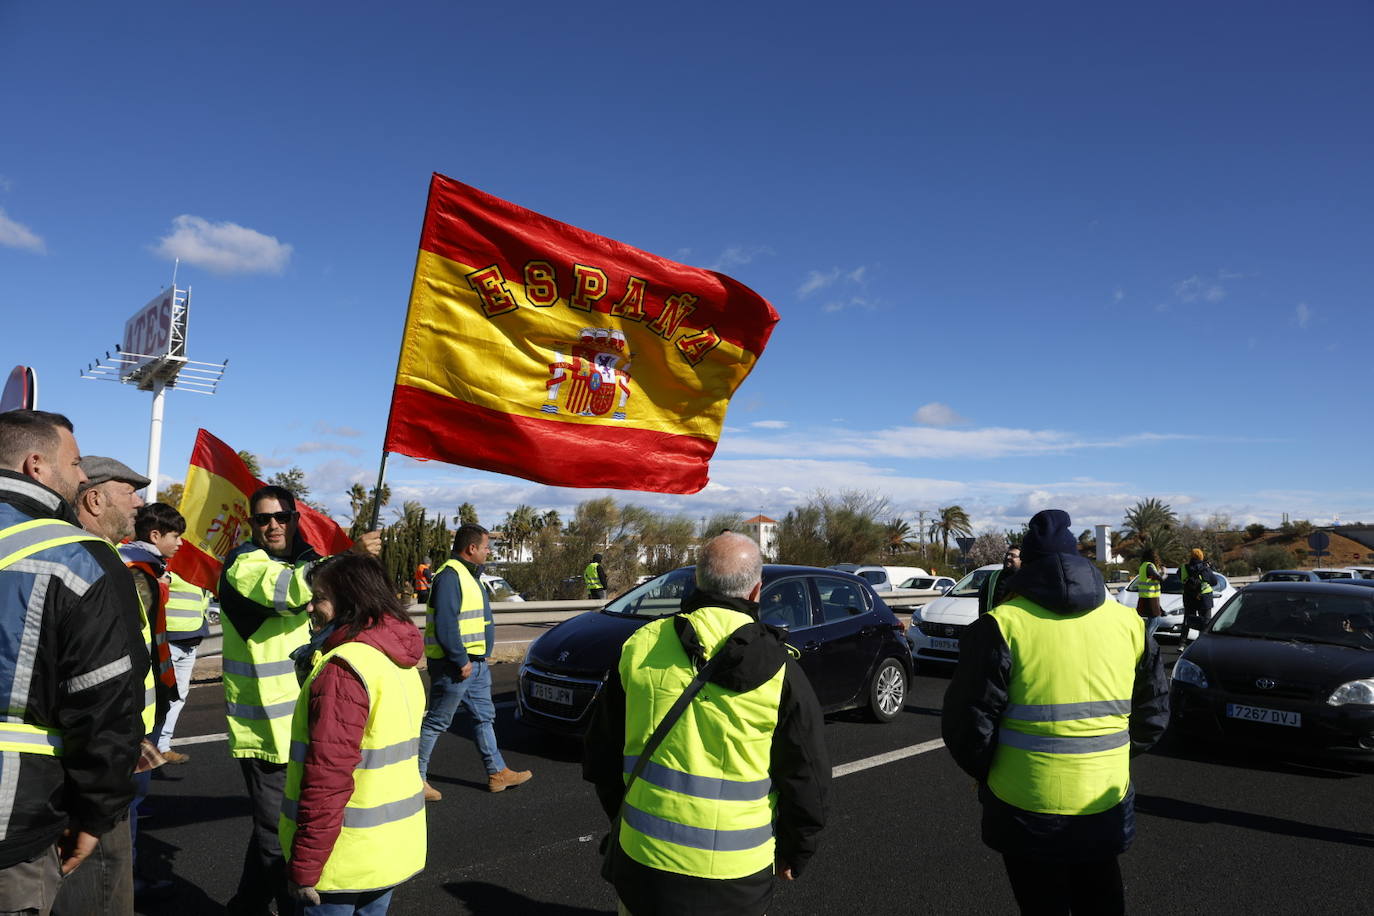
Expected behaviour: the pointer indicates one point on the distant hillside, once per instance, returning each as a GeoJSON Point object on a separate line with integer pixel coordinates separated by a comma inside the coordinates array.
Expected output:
{"type": "Point", "coordinates": [1349, 547]}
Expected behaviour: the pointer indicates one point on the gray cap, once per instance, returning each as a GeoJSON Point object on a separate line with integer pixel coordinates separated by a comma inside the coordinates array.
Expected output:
{"type": "Point", "coordinates": [99, 470]}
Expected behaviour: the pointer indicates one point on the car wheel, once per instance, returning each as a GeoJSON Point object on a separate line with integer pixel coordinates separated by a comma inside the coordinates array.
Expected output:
{"type": "Point", "coordinates": [887, 690]}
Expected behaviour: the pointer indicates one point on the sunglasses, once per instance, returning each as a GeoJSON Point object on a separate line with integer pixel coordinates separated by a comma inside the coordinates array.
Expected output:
{"type": "Point", "coordinates": [262, 518]}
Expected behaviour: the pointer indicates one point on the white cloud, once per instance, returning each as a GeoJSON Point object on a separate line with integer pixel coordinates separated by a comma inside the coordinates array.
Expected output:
{"type": "Point", "coordinates": [310, 448]}
{"type": "Point", "coordinates": [736, 255]}
{"type": "Point", "coordinates": [769, 424]}
{"type": "Point", "coordinates": [223, 247]}
{"type": "Point", "coordinates": [326, 429]}
{"type": "Point", "coordinates": [1195, 288]}
{"type": "Point", "coordinates": [937, 414]}
{"type": "Point", "coordinates": [16, 235]}
{"type": "Point", "coordinates": [1303, 314]}
{"type": "Point", "coordinates": [817, 280]}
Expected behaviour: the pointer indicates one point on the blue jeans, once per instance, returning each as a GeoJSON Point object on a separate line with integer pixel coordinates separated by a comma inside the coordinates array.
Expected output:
{"type": "Point", "coordinates": [183, 663]}
{"type": "Point", "coordinates": [447, 691]}
{"type": "Point", "coordinates": [1152, 624]}
{"type": "Point", "coordinates": [370, 903]}
{"type": "Point", "coordinates": [104, 883]}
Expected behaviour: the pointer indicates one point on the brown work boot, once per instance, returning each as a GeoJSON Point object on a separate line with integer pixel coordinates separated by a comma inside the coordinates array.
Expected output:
{"type": "Point", "coordinates": [175, 756]}
{"type": "Point", "coordinates": [499, 782]}
{"type": "Point", "coordinates": [432, 794]}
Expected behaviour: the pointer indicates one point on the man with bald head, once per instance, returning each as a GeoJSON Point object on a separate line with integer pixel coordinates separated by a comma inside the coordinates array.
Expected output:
{"type": "Point", "coordinates": [736, 790]}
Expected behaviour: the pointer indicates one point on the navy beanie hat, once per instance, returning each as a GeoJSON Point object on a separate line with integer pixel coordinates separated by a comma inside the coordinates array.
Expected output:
{"type": "Point", "coordinates": [1048, 533]}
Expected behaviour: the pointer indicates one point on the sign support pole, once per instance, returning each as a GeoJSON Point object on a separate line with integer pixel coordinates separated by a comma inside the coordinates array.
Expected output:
{"type": "Point", "coordinates": [155, 438]}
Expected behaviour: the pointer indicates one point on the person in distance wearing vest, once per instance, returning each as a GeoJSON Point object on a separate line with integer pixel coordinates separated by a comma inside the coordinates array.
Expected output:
{"type": "Point", "coordinates": [72, 663]}
{"type": "Point", "coordinates": [995, 587]}
{"type": "Point", "coordinates": [594, 577]}
{"type": "Point", "coordinates": [1149, 585]}
{"type": "Point", "coordinates": [264, 592]}
{"type": "Point", "coordinates": [424, 578]}
{"type": "Point", "coordinates": [1055, 690]}
{"type": "Point", "coordinates": [353, 816]}
{"type": "Point", "coordinates": [459, 637]}
{"type": "Point", "coordinates": [736, 792]}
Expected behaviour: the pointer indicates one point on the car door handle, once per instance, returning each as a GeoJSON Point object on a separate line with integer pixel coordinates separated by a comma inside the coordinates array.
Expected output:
{"type": "Point", "coordinates": [867, 631]}
{"type": "Point", "coordinates": [811, 646]}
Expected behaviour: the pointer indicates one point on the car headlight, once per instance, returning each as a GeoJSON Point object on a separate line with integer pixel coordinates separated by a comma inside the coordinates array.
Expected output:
{"type": "Point", "coordinates": [1188, 673]}
{"type": "Point", "coordinates": [915, 616]}
{"type": "Point", "coordinates": [1360, 693]}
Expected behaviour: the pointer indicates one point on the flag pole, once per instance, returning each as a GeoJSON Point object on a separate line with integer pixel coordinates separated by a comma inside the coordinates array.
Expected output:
{"type": "Point", "coordinates": [377, 494]}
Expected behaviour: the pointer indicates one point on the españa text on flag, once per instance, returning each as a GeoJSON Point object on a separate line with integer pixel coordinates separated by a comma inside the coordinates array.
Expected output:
{"type": "Point", "coordinates": [538, 349]}
{"type": "Point", "coordinates": [215, 505]}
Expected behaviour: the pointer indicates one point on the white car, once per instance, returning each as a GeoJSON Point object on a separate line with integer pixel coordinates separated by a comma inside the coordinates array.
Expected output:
{"type": "Point", "coordinates": [921, 587]}
{"type": "Point", "coordinates": [882, 578]}
{"type": "Point", "coordinates": [937, 627]}
{"type": "Point", "coordinates": [499, 589]}
{"type": "Point", "coordinates": [1171, 601]}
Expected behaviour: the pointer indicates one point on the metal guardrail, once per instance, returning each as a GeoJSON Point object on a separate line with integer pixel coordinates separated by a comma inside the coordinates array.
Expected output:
{"type": "Point", "coordinates": [534, 613]}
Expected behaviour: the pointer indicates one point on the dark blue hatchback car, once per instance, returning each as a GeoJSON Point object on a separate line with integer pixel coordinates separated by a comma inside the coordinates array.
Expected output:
{"type": "Point", "coordinates": [850, 644]}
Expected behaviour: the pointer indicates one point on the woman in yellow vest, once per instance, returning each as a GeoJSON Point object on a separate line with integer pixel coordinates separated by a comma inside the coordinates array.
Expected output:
{"type": "Point", "coordinates": [1149, 585]}
{"type": "Point", "coordinates": [1055, 690]}
{"type": "Point", "coordinates": [353, 820]}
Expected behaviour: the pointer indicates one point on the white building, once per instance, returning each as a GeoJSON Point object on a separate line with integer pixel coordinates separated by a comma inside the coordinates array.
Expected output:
{"type": "Point", "coordinates": [763, 530]}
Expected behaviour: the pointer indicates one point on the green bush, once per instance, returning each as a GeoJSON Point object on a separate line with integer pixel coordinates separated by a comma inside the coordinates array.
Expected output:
{"type": "Point", "coordinates": [1270, 557]}
{"type": "Point", "coordinates": [1256, 531]}
{"type": "Point", "coordinates": [1237, 568]}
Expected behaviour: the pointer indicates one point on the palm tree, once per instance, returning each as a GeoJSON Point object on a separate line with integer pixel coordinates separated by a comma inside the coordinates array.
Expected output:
{"type": "Point", "coordinates": [953, 521]}
{"type": "Point", "coordinates": [519, 526]}
{"type": "Point", "coordinates": [1148, 516]}
{"type": "Point", "coordinates": [898, 535]}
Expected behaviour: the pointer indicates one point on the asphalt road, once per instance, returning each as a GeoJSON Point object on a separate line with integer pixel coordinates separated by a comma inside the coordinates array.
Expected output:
{"type": "Point", "coordinates": [1219, 831]}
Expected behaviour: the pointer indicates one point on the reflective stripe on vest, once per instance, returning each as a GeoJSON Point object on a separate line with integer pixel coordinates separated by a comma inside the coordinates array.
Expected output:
{"type": "Point", "coordinates": [186, 606]}
{"type": "Point", "coordinates": [1183, 577]}
{"type": "Point", "coordinates": [16, 543]}
{"type": "Point", "coordinates": [591, 576]}
{"type": "Point", "coordinates": [260, 686]}
{"type": "Point", "coordinates": [382, 841]}
{"type": "Point", "coordinates": [30, 739]}
{"type": "Point", "coordinates": [694, 811]}
{"type": "Point", "coordinates": [1146, 587]}
{"type": "Point", "coordinates": [1063, 740]}
{"type": "Point", "coordinates": [472, 617]}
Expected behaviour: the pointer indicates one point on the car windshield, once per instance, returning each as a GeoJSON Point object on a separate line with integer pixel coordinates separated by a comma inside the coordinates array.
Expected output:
{"type": "Point", "coordinates": [919, 582]}
{"type": "Point", "coordinates": [1334, 574]}
{"type": "Point", "coordinates": [1285, 577]}
{"type": "Point", "coordinates": [500, 589]}
{"type": "Point", "coordinates": [1338, 620]}
{"type": "Point", "coordinates": [658, 597]}
{"type": "Point", "coordinates": [968, 586]}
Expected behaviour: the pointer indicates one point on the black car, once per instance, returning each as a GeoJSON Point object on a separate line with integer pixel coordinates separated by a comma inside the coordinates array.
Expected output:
{"type": "Point", "coordinates": [850, 644]}
{"type": "Point", "coordinates": [1283, 663]}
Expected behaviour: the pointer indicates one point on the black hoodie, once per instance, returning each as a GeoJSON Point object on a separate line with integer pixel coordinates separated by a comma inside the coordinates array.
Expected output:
{"type": "Point", "coordinates": [977, 696]}
{"type": "Point", "coordinates": [800, 769]}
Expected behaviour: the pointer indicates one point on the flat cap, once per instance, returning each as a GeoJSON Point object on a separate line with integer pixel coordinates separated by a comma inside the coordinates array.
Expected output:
{"type": "Point", "coordinates": [99, 469]}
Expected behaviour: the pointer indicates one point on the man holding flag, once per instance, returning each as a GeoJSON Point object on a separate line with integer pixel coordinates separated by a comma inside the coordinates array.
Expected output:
{"type": "Point", "coordinates": [263, 598]}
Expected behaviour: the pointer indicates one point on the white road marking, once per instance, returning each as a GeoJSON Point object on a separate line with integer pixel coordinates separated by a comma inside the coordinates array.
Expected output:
{"type": "Point", "coordinates": [200, 739]}
{"type": "Point", "coordinates": [878, 760]}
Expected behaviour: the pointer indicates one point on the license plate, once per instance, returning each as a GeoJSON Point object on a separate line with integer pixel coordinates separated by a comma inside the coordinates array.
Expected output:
{"type": "Point", "coordinates": [1260, 714]}
{"type": "Point", "coordinates": [561, 695]}
{"type": "Point", "coordinates": [949, 645]}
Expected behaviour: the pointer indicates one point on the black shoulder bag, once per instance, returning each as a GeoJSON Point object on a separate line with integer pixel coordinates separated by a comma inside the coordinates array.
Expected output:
{"type": "Point", "coordinates": [665, 725]}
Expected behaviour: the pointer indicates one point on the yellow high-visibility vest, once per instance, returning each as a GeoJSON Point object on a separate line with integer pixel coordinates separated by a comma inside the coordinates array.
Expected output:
{"type": "Point", "coordinates": [382, 841]}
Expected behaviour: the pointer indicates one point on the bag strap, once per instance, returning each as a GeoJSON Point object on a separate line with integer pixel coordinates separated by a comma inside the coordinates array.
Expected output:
{"type": "Point", "coordinates": [665, 725]}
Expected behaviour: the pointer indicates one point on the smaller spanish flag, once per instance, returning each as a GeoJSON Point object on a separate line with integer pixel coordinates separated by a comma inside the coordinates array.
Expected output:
{"type": "Point", "coordinates": [215, 505]}
{"type": "Point", "coordinates": [538, 349]}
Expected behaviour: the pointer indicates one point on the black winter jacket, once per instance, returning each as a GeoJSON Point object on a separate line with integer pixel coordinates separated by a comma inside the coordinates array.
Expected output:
{"type": "Point", "coordinates": [977, 697]}
{"type": "Point", "coordinates": [81, 674]}
{"type": "Point", "coordinates": [800, 771]}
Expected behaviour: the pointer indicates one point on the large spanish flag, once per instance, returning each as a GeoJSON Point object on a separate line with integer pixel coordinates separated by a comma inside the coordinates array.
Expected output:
{"type": "Point", "coordinates": [215, 505]}
{"type": "Point", "coordinates": [538, 349]}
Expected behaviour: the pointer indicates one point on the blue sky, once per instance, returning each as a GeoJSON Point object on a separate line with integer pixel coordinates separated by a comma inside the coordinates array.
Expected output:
{"type": "Point", "coordinates": [1026, 255]}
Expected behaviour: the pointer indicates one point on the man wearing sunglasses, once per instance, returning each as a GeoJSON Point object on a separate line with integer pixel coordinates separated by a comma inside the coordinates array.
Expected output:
{"type": "Point", "coordinates": [263, 594]}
